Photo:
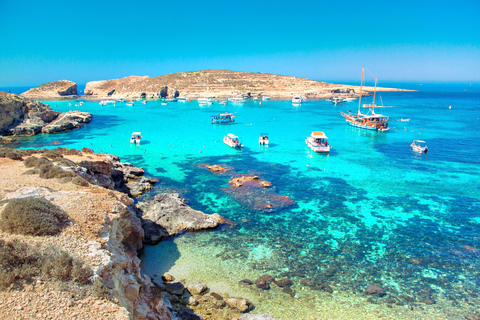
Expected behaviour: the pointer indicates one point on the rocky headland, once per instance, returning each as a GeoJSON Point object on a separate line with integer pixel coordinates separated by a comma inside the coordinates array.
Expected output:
{"type": "Point", "coordinates": [95, 272]}
{"type": "Point", "coordinates": [23, 116]}
{"type": "Point", "coordinates": [219, 83]}
{"type": "Point", "coordinates": [60, 89]}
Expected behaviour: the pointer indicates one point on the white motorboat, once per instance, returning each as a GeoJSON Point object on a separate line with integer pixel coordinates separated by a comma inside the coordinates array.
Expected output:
{"type": "Point", "coordinates": [419, 146]}
{"type": "Point", "coordinates": [297, 99]}
{"type": "Point", "coordinates": [232, 141]}
{"type": "Point", "coordinates": [136, 137]}
{"type": "Point", "coordinates": [182, 99]}
{"type": "Point", "coordinates": [263, 140]}
{"type": "Point", "coordinates": [317, 141]}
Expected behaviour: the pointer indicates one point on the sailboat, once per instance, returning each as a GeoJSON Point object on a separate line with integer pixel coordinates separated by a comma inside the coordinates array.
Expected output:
{"type": "Point", "coordinates": [370, 120]}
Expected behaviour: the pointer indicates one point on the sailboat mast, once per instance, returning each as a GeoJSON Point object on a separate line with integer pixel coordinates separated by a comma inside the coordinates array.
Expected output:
{"type": "Point", "coordinates": [374, 91]}
{"type": "Point", "coordinates": [360, 98]}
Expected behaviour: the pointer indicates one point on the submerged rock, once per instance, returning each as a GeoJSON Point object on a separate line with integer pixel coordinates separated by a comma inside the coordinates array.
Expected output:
{"type": "Point", "coordinates": [175, 288]}
{"type": "Point", "coordinates": [196, 288]}
{"type": "Point", "coordinates": [375, 290]}
{"type": "Point", "coordinates": [167, 214]}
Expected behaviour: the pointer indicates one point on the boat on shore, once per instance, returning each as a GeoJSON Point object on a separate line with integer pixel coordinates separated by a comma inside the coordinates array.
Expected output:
{"type": "Point", "coordinates": [419, 146]}
{"type": "Point", "coordinates": [317, 141]}
{"type": "Point", "coordinates": [233, 141]}
{"type": "Point", "coordinates": [263, 140]}
{"type": "Point", "coordinates": [369, 120]}
{"type": "Point", "coordinates": [223, 118]}
{"type": "Point", "coordinates": [136, 137]}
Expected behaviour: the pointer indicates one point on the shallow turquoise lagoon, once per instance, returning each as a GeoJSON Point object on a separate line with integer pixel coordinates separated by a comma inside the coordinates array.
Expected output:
{"type": "Point", "coordinates": [370, 212]}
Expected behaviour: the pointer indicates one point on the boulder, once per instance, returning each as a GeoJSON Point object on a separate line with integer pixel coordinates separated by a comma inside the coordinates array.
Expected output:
{"type": "Point", "coordinates": [168, 277]}
{"type": "Point", "coordinates": [175, 288]}
{"type": "Point", "coordinates": [240, 304]}
{"type": "Point", "coordinates": [167, 214]}
{"type": "Point", "coordinates": [185, 314]}
{"type": "Point", "coordinates": [285, 282]}
{"type": "Point", "coordinates": [196, 288]}
{"type": "Point", "coordinates": [217, 168]}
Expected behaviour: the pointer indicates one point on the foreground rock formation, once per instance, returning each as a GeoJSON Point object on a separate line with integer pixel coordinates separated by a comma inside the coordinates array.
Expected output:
{"type": "Point", "coordinates": [219, 83]}
{"type": "Point", "coordinates": [53, 90]}
{"type": "Point", "coordinates": [21, 116]}
{"type": "Point", "coordinates": [167, 214]}
{"type": "Point", "coordinates": [104, 231]}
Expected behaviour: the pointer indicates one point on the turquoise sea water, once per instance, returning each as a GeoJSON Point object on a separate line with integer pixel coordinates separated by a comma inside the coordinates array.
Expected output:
{"type": "Point", "coordinates": [370, 212]}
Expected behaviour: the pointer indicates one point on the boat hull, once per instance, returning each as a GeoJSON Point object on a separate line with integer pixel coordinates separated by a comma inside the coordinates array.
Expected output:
{"type": "Point", "coordinates": [232, 144]}
{"type": "Point", "coordinates": [317, 148]}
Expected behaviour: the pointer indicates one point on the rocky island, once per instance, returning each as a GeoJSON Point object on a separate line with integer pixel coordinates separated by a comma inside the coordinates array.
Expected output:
{"type": "Point", "coordinates": [219, 83]}
{"type": "Point", "coordinates": [53, 90]}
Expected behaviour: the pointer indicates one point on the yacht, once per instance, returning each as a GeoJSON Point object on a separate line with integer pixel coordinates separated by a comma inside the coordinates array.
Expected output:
{"type": "Point", "coordinates": [232, 141]}
{"type": "Point", "coordinates": [317, 141]}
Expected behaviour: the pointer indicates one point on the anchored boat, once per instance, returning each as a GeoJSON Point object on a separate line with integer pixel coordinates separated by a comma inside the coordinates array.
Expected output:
{"type": "Point", "coordinates": [263, 140]}
{"type": "Point", "coordinates": [297, 99]}
{"type": "Point", "coordinates": [317, 141]}
{"type": "Point", "coordinates": [136, 137]}
{"type": "Point", "coordinates": [222, 118]}
{"type": "Point", "coordinates": [419, 146]}
{"type": "Point", "coordinates": [369, 120]}
{"type": "Point", "coordinates": [232, 141]}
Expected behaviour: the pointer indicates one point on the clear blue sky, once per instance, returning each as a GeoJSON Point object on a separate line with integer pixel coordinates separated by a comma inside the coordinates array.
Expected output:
{"type": "Point", "coordinates": [81, 41]}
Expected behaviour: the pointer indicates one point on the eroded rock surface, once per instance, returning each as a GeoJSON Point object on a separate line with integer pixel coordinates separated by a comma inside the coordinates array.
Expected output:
{"type": "Point", "coordinates": [51, 90]}
{"type": "Point", "coordinates": [167, 214]}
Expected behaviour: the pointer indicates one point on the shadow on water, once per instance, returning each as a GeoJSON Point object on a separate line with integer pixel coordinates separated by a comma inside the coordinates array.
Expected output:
{"type": "Point", "coordinates": [161, 257]}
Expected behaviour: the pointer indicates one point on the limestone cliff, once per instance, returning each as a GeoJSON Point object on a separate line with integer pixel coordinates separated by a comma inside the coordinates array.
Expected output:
{"type": "Point", "coordinates": [218, 83]}
{"type": "Point", "coordinates": [23, 116]}
{"type": "Point", "coordinates": [53, 90]}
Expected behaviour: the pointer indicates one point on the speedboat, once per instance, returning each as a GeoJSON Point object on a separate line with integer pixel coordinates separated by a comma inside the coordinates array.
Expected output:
{"type": "Point", "coordinates": [263, 140]}
{"type": "Point", "coordinates": [136, 137]}
{"type": "Point", "coordinates": [419, 146]}
{"type": "Point", "coordinates": [297, 99]}
{"type": "Point", "coordinates": [236, 100]}
{"type": "Point", "coordinates": [130, 104]}
{"type": "Point", "coordinates": [223, 118]}
{"type": "Point", "coordinates": [204, 101]}
{"type": "Point", "coordinates": [265, 98]}
{"type": "Point", "coordinates": [317, 141]}
{"type": "Point", "coordinates": [232, 141]}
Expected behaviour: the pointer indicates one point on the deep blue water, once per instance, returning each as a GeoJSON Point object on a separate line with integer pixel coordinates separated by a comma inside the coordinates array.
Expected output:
{"type": "Point", "coordinates": [370, 212]}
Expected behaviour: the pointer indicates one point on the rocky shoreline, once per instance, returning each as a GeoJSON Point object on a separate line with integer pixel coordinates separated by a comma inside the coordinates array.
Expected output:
{"type": "Point", "coordinates": [23, 116]}
{"type": "Point", "coordinates": [221, 84]}
{"type": "Point", "coordinates": [106, 229]}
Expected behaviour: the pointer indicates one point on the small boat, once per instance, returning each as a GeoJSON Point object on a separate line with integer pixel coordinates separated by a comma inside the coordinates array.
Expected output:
{"type": "Point", "coordinates": [297, 99]}
{"type": "Point", "coordinates": [69, 105]}
{"type": "Point", "coordinates": [223, 118]}
{"type": "Point", "coordinates": [182, 99]}
{"type": "Point", "coordinates": [265, 98]}
{"type": "Point", "coordinates": [317, 141]}
{"type": "Point", "coordinates": [204, 101]}
{"type": "Point", "coordinates": [236, 100]}
{"type": "Point", "coordinates": [336, 100]}
{"type": "Point", "coordinates": [136, 137]}
{"type": "Point", "coordinates": [164, 103]}
{"type": "Point", "coordinates": [419, 146]}
{"type": "Point", "coordinates": [224, 102]}
{"type": "Point", "coordinates": [103, 103]}
{"type": "Point", "coordinates": [130, 104]}
{"type": "Point", "coordinates": [263, 140]}
{"type": "Point", "coordinates": [232, 141]}
{"type": "Point", "coordinates": [171, 100]}
{"type": "Point", "coordinates": [369, 120]}
{"type": "Point", "coordinates": [402, 119]}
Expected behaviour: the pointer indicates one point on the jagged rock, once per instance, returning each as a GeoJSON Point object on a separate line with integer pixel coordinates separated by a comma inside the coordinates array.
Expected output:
{"type": "Point", "coordinates": [164, 92]}
{"type": "Point", "coordinates": [196, 288]}
{"type": "Point", "coordinates": [285, 282]}
{"type": "Point", "coordinates": [98, 166]}
{"type": "Point", "coordinates": [217, 168]}
{"type": "Point", "coordinates": [260, 316]}
{"type": "Point", "coordinates": [241, 304]}
{"type": "Point", "coordinates": [159, 284]}
{"type": "Point", "coordinates": [175, 288]}
{"type": "Point", "coordinates": [56, 89]}
{"type": "Point", "coordinates": [251, 181]}
{"type": "Point", "coordinates": [166, 215]}
{"type": "Point", "coordinates": [246, 281]}
{"type": "Point", "coordinates": [67, 121]}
